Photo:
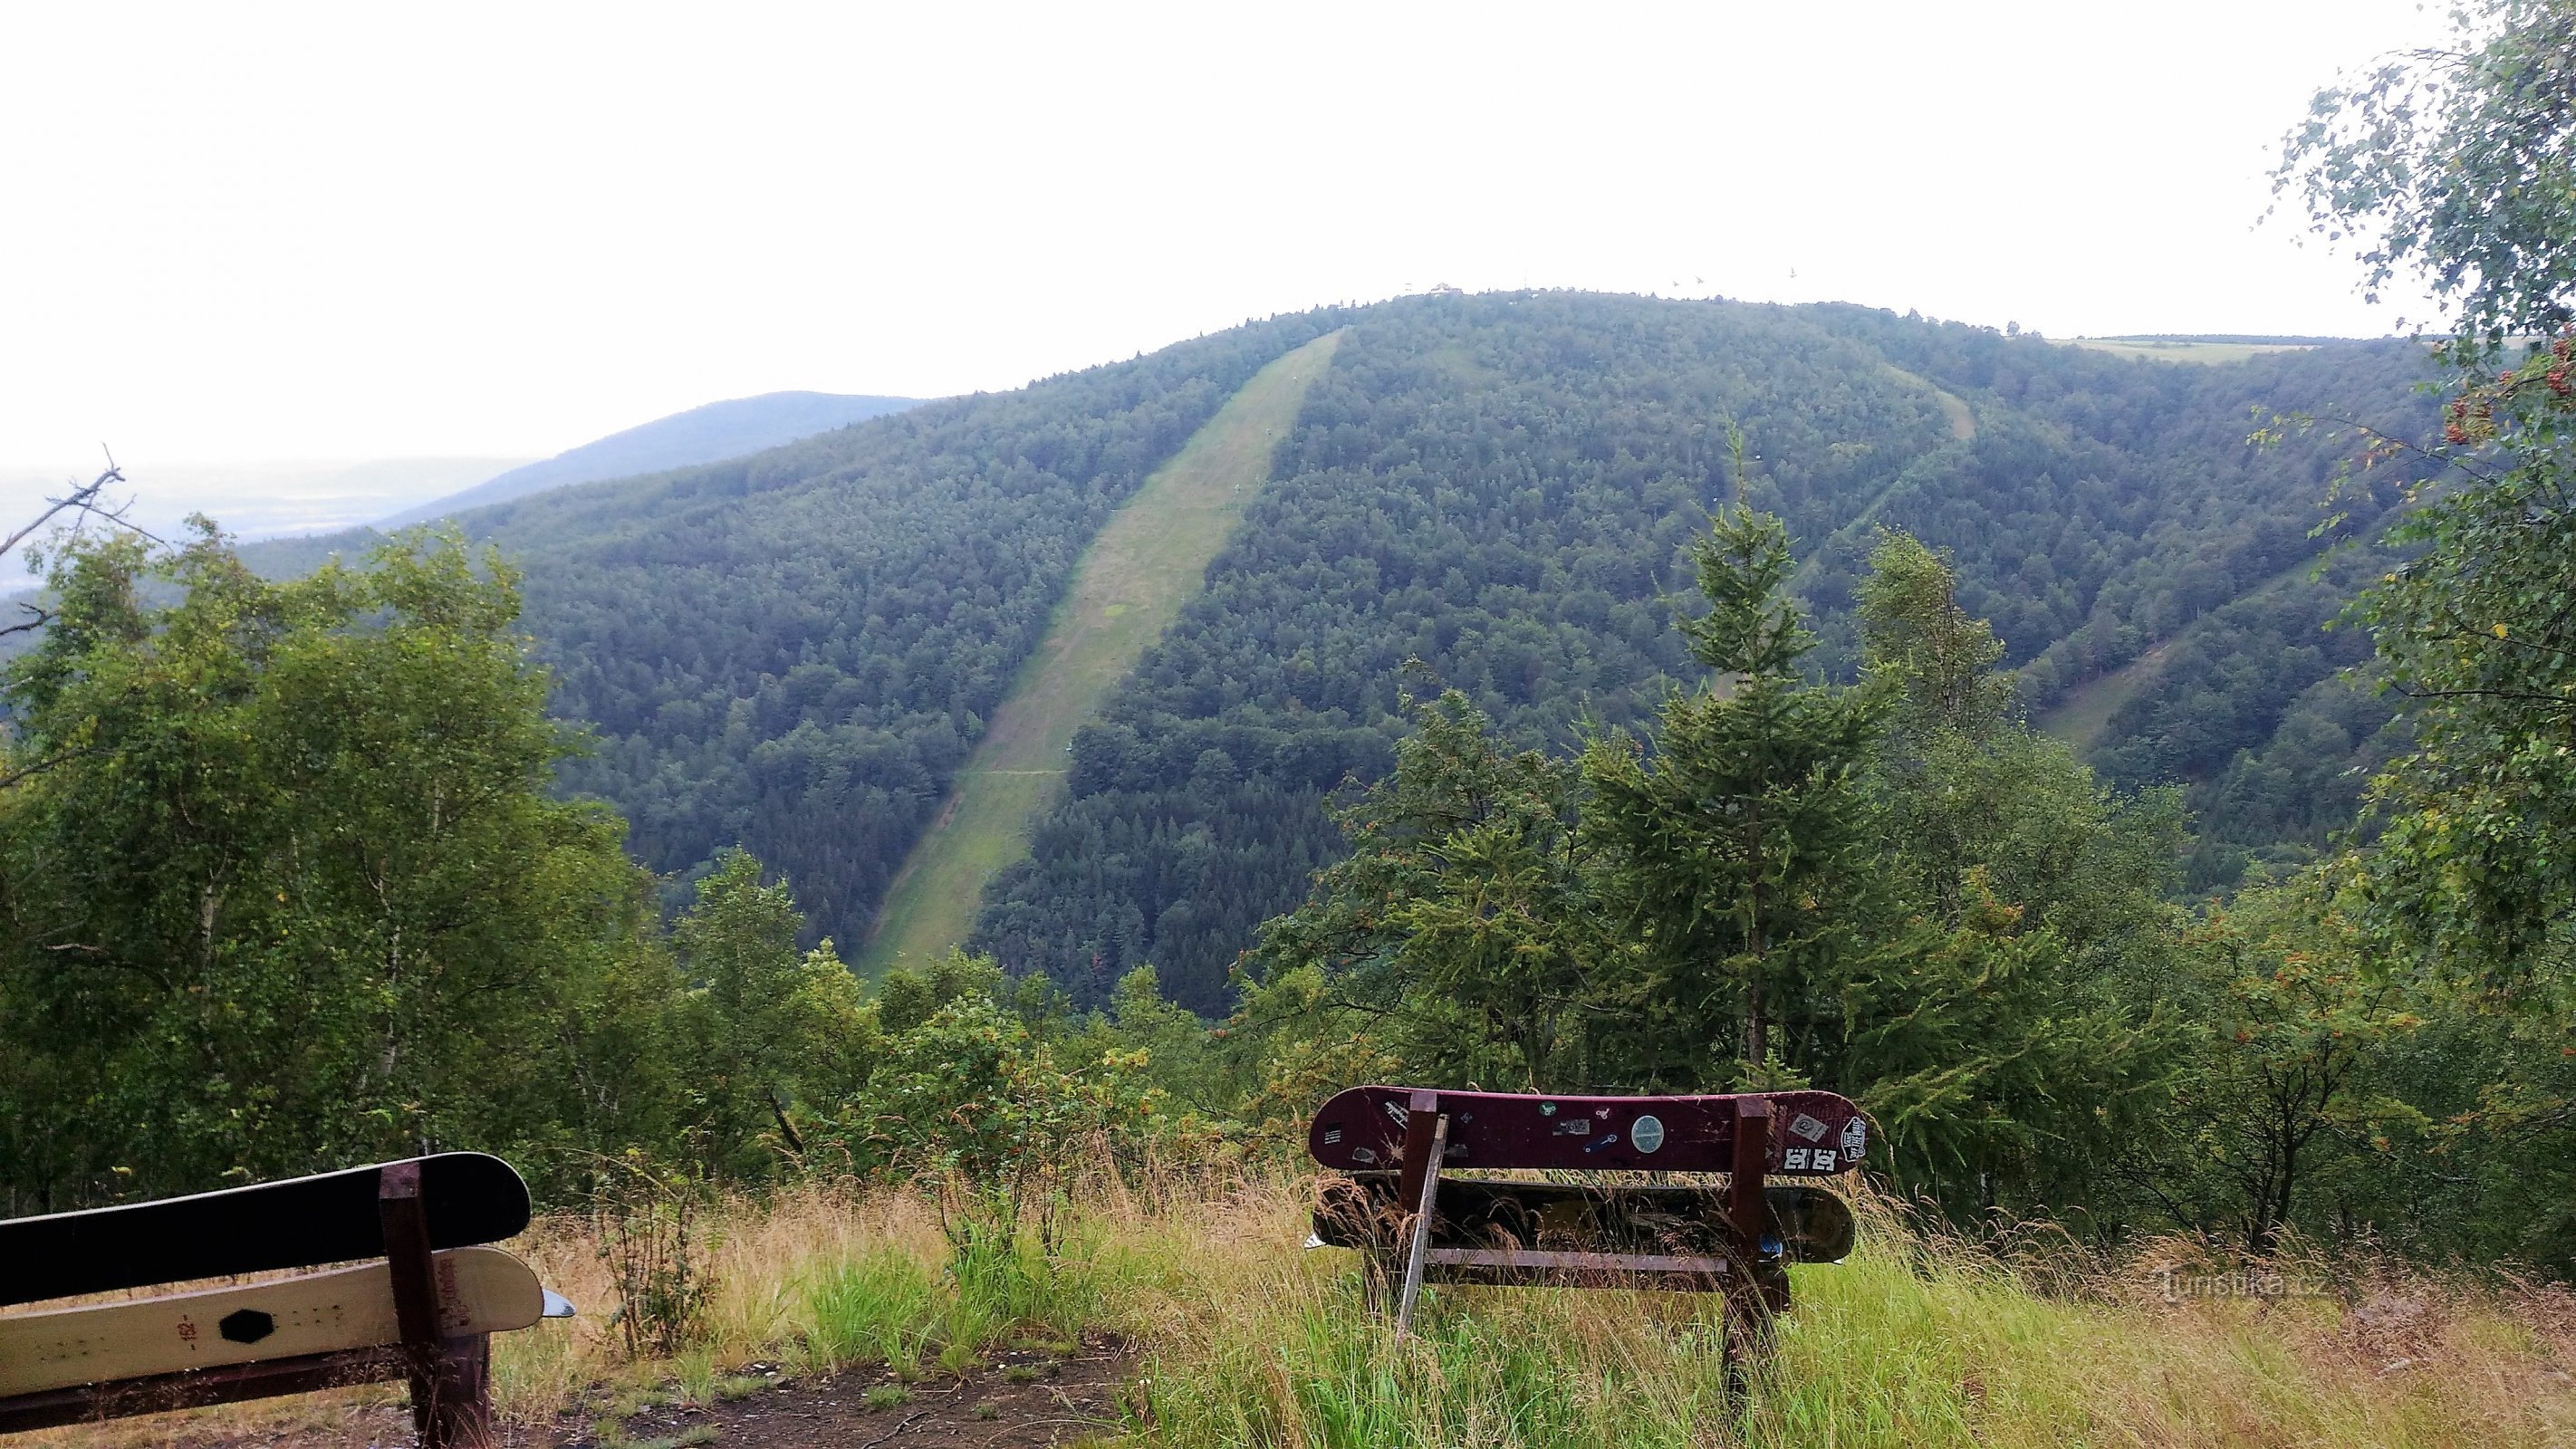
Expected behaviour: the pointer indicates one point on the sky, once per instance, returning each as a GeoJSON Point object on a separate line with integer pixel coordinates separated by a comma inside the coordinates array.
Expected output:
{"type": "Point", "coordinates": [265, 232]}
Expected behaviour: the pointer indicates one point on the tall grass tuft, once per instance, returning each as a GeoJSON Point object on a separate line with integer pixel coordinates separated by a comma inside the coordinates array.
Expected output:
{"type": "Point", "coordinates": [868, 1308]}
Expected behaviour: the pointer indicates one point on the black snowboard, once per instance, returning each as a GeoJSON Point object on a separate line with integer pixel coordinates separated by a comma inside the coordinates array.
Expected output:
{"type": "Point", "coordinates": [303, 1222]}
{"type": "Point", "coordinates": [1810, 1224]}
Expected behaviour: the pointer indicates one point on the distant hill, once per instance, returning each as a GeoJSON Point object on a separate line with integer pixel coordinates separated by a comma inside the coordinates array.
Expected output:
{"type": "Point", "coordinates": [2192, 349]}
{"type": "Point", "coordinates": [705, 434]}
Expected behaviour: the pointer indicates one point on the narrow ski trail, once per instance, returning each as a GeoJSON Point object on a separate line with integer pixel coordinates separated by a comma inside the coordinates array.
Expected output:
{"type": "Point", "coordinates": [1149, 560]}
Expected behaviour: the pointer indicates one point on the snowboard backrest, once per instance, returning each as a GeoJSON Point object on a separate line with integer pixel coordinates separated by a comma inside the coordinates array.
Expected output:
{"type": "Point", "coordinates": [469, 1198]}
{"type": "Point", "coordinates": [398, 1212]}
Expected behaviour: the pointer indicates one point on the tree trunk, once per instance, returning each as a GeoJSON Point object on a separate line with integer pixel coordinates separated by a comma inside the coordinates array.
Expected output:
{"type": "Point", "coordinates": [1756, 1029]}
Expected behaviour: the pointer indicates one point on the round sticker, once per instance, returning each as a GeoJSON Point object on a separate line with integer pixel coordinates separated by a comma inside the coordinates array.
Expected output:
{"type": "Point", "coordinates": [1647, 1133]}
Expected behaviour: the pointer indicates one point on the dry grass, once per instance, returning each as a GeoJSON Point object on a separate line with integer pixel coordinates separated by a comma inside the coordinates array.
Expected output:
{"type": "Point", "coordinates": [1916, 1341]}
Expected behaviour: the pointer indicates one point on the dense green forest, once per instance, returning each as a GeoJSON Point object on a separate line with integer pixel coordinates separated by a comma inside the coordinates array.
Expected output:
{"type": "Point", "coordinates": [1490, 494]}
{"type": "Point", "coordinates": [287, 885]}
{"type": "Point", "coordinates": [793, 653]}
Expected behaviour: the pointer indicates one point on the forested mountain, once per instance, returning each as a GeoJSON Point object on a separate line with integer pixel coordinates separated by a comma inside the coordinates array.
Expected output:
{"type": "Point", "coordinates": [795, 651]}
{"type": "Point", "coordinates": [704, 434]}
{"type": "Point", "coordinates": [1497, 487]}
{"type": "Point", "coordinates": [2195, 557]}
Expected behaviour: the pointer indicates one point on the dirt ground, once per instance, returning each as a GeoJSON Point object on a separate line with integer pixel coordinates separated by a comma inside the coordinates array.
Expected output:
{"type": "Point", "coordinates": [1020, 1399]}
{"type": "Point", "coordinates": [1060, 1401]}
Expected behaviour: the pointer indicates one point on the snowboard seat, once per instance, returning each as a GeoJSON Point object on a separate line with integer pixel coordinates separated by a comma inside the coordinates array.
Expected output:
{"type": "Point", "coordinates": [422, 1219]}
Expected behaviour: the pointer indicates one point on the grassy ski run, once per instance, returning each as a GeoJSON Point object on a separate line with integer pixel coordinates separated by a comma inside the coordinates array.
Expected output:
{"type": "Point", "coordinates": [1149, 560]}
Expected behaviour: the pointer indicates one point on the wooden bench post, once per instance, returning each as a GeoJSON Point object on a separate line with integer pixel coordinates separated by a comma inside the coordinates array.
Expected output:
{"type": "Point", "coordinates": [1426, 1141]}
{"type": "Point", "coordinates": [1749, 1304]}
{"type": "Point", "coordinates": [451, 1403]}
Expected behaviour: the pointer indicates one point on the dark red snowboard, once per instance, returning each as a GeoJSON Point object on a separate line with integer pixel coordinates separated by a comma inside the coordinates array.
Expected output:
{"type": "Point", "coordinates": [1806, 1224]}
{"type": "Point", "coordinates": [1813, 1134]}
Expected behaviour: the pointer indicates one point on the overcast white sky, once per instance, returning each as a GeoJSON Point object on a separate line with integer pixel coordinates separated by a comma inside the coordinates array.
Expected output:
{"type": "Point", "coordinates": [358, 231]}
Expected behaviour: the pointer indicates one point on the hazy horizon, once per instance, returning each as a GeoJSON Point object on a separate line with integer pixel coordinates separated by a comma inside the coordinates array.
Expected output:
{"type": "Point", "coordinates": [317, 233]}
{"type": "Point", "coordinates": [260, 498]}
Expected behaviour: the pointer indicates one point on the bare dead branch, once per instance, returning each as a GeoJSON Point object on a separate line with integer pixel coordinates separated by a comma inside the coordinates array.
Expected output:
{"type": "Point", "coordinates": [83, 499]}
{"type": "Point", "coordinates": [86, 500]}
{"type": "Point", "coordinates": [41, 618]}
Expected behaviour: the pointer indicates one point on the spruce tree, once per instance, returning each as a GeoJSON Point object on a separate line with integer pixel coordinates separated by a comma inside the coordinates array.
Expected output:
{"type": "Point", "coordinates": [1742, 841]}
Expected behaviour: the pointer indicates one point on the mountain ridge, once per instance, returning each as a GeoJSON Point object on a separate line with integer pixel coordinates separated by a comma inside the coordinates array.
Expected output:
{"type": "Point", "coordinates": [707, 433]}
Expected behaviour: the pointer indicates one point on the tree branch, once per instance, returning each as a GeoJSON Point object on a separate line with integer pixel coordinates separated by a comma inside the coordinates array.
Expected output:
{"type": "Point", "coordinates": [2554, 701]}
{"type": "Point", "coordinates": [38, 768]}
{"type": "Point", "coordinates": [84, 499]}
{"type": "Point", "coordinates": [41, 619]}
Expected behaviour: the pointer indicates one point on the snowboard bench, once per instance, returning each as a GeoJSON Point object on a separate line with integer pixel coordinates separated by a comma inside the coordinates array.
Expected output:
{"type": "Point", "coordinates": [424, 1312]}
{"type": "Point", "coordinates": [1398, 1192]}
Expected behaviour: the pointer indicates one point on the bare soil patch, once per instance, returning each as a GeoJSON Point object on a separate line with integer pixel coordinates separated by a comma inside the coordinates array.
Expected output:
{"type": "Point", "coordinates": [1018, 1399]}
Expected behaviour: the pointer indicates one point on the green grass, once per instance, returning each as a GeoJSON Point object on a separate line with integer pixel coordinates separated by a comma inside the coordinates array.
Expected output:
{"type": "Point", "coordinates": [688, 1438]}
{"type": "Point", "coordinates": [2080, 718]}
{"type": "Point", "coordinates": [2201, 352]}
{"type": "Point", "coordinates": [1147, 562]}
{"type": "Point", "coordinates": [1913, 1341]}
{"type": "Point", "coordinates": [1962, 419]}
{"type": "Point", "coordinates": [881, 1308]}
{"type": "Point", "coordinates": [1918, 1339]}
{"type": "Point", "coordinates": [894, 1307]}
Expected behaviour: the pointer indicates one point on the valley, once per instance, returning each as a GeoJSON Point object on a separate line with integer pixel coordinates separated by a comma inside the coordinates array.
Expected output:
{"type": "Point", "coordinates": [1330, 699]}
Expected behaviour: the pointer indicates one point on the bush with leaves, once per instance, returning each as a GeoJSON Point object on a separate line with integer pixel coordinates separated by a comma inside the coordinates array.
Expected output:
{"type": "Point", "coordinates": [2451, 163]}
{"type": "Point", "coordinates": [777, 1038]}
{"type": "Point", "coordinates": [650, 1221]}
{"type": "Point", "coordinates": [970, 1101]}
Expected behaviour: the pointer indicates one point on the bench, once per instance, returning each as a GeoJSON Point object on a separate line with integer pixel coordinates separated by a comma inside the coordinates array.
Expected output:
{"type": "Point", "coordinates": [1398, 1189]}
{"type": "Point", "coordinates": [423, 1312]}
